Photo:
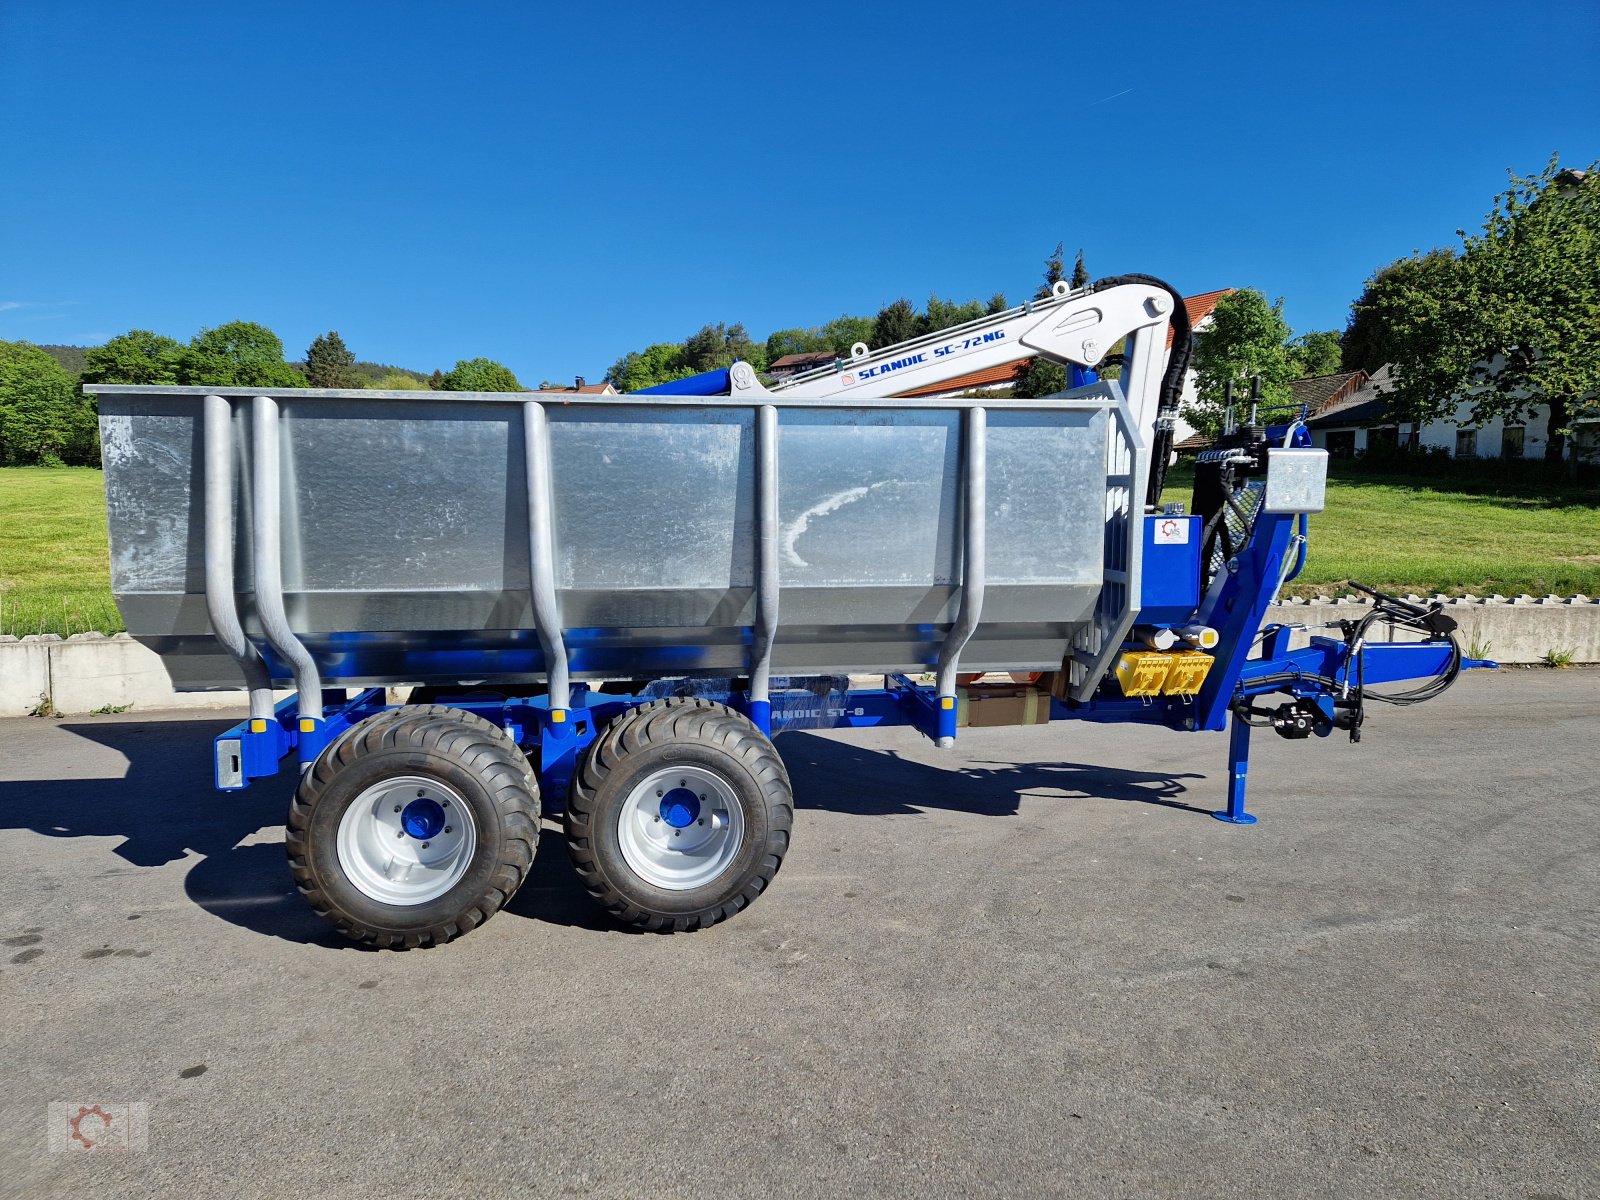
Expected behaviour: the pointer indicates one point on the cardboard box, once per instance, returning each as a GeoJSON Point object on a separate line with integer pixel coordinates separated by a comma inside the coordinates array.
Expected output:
{"type": "Point", "coordinates": [985, 705]}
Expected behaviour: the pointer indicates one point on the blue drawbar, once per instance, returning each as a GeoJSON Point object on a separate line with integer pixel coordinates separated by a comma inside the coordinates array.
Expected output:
{"type": "Point", "coordinates": [707, 383]}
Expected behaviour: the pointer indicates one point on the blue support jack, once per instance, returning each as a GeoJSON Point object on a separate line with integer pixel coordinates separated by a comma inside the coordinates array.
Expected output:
{"type": "Point", "coordinates": [1238, 770]}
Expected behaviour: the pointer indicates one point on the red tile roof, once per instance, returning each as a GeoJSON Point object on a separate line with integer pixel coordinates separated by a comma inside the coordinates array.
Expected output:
{"type": "Point", "coordinates": [1199, 308]}
{"type": "Point", "coordinates": [1005, 373]}
{"type": "Point", "coordinates": [805, 359]}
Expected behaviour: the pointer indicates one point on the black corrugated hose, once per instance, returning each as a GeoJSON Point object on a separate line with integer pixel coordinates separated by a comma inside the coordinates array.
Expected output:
{"type": "Point", "coordinates": [1171, 382]}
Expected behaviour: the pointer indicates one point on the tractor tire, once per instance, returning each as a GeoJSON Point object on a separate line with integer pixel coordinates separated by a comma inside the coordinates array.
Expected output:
{"type": "Point", "coordinates": [414, 826]}
{"type": "Point", "coordinates": [679, 815]}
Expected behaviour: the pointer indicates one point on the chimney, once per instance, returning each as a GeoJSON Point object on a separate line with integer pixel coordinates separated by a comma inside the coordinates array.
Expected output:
{"type": "Point", "coordinates": [580, 383]}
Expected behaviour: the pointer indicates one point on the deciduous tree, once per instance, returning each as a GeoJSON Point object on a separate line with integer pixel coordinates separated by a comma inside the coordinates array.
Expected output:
{"type": "Point", "coordinates": [480, 375]}
{"type": "Point", "coordinates": [1247, 336]}
{"type": "Point", "coordinates": [238, 354]}
{"type": "Point", "coordinates": [1514, 320]}
{"type": "Point", "coordinates": [138, 356]}
{"type": "Point", "coordinates": [43, 417]}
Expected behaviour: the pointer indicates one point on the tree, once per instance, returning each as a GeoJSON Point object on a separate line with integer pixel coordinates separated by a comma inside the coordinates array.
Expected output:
{"type": "Point", "coordinates": [1080, 273]}
{"type": "Point", "coordinates": [479, 375]}
{"type": "Point", "coordinates": [997, 303]}
{"type": "Point", "coordinates": [1316, 353]}
{"type": "Point", "coordinates": [137, 356]}
{"type": "Point", "coordinates": [1514, 321]}
{"type": "Point", "coordinates": [942, 314]}
{"type": "Point", "coordinates": [43, 417]}
{"type": "Point", "coordinates": [896, 322]}
{"type": "Point", "coordinates": [399, 381]}
{"type": "Point", "coordinates": [719, 346]}
{"type": "Point", "coordinates": [330, 365]}
{"type": "Point", "coordinates": [845, 331]}
{"type": "Point", "coordinates": [1055, 270]}
{"type": "Point", "coordinates": [1042, 378]}
{"type": "Point", "coordinates": [436, 381]}
{"type": "Point", "coordinates": [795, 341]}
{"type": "Point", "coordinates": [1368, 341]}
{"type": "Point", "coordinates": [660, 363]}
{"type": "Point", "coordinates": [1246, 337]}
{"type": "Point", "coordinates": [238, 354]}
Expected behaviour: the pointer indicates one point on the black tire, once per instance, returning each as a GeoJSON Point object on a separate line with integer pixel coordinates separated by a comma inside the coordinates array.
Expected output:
{"type": "Point", "coordinates": [668, 733]}
{"type": "Point", "coordinates": [476, 760]}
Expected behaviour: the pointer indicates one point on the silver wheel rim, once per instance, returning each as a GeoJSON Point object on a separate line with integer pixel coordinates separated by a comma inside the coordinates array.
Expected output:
{"type": "Point", "coordinates": [680, 828]}
{"type": "Point", "coordinates": [407, 840]}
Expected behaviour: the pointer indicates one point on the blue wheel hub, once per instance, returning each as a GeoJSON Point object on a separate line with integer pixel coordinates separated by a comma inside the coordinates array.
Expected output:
{"type": "Point", "coordinates": [680, 808]}
{"type": "Point", "coordinates": [422, 818]}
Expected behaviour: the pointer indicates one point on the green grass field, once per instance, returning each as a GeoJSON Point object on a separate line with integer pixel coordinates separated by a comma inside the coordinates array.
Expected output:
{"type": "Point", "coordinates": [1432, 535]}
{"type": "Point", "coordinates": [1400, 535]}
{"type": "Point", "coordinates": [54, 563]}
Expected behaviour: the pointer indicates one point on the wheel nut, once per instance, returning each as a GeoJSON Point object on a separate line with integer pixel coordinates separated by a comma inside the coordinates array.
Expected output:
{"type": "Point", "coordinates": [701, 821]}
{"type": "Point", "coordinates": [424, 845]}
{"type": "Point", "coordinates": [399, 833]}
{"type": "Point", "coordinates": [397, 808]}
{"type": "Point", "coordinates": [677, 833]}
{"type": "Point", "coordinates": [421, 793]}
{"type": "Point", "coordinates": [659, 793]}
{"type": "Point", "coordinates": [447, 829]}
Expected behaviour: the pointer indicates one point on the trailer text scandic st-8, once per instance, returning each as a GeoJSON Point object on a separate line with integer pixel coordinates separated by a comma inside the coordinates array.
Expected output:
{"type": "Point", "coordinates": [609, 605]}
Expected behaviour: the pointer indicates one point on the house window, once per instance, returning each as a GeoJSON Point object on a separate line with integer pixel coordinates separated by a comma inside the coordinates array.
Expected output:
{"type": "Point", "coordinates": [1414, 438]}
{"type": "Point", "coordinates": [1511, 441]}
{"type": "Point", "coordinates": [1342, 443]}
{"type": "Point", "coordinates": [1466, 443]}
{"type": "Point", "coordinates": [1383, 441]}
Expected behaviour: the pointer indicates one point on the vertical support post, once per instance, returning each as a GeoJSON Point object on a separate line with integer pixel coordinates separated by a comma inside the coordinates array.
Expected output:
{"type": "Point", "coordinates": [222, 604]}
{"type": "Point", "coordinates": [267, 545]}
{"type": "Point", "coordinates": [766, 564]}
{"type": "Point", "coordinates": [974, 544]}
{"type": "Point", "coordinates": [542, 557]}
{"type": "Point", "coordinates": [1238, 770]}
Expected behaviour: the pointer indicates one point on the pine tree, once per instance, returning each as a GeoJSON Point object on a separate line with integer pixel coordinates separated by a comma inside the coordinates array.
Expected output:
{"type": "Point", "coordinates": [1080, 273]}
{"type": "Point", "coordinates": [329, 364]}
{"type": "Point", "coordinates": [1055, 270]}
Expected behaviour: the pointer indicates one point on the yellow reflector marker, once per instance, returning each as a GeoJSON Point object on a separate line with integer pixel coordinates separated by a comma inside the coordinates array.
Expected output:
{"type": "Point", "coordinates": [1188, 672]}
{"type": "Point", "coordinates": [947, 702]}
{"type": "Point", "coordinates": [307, 725]}
{"type": "Point", "coordinates": [558, 716]}
{"type": "Point", "coordinates": [257, 725]}
{"type": "Point", "coordinates": [1143, 672]}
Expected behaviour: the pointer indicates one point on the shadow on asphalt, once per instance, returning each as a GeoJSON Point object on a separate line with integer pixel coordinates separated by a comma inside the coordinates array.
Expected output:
{"type": "Point", "coordinates": [840, 777]}
{"type": "Point", "coordinates": [164, 807]}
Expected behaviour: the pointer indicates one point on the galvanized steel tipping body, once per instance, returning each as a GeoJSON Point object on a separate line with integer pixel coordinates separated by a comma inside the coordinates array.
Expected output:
{"type": "Point", "coordinates": [717, 536]}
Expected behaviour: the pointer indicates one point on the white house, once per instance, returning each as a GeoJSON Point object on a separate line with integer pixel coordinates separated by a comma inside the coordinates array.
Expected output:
{"type": "Point", "coordinates": [1361, 423]}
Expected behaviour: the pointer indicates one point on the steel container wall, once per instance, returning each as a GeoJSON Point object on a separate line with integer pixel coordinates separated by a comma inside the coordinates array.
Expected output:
{"type": "Point", "coordinates": [405, 538]}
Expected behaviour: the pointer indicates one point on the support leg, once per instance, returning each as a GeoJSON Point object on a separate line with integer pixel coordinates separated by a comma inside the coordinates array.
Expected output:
{"type": "Point", "coordinates": [1238, 769]}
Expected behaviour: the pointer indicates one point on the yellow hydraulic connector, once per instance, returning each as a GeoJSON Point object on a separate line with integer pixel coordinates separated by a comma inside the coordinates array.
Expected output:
{"type": "Point", "coordinates": [1144, 672]}
{"type": "Point", "coordinates": [1187, 673]}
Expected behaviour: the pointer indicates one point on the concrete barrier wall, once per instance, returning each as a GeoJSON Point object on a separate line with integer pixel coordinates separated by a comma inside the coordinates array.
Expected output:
{"type": "Point", "coordinates": [89, 672]}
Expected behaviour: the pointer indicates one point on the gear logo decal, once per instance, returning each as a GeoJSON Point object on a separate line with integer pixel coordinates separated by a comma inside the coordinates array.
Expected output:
{"type": "Point", "coordinates": [81, 1127]}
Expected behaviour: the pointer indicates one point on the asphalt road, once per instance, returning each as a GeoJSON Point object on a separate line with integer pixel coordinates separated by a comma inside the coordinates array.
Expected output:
{"type": "Point", "coordinates": [1029, 967]}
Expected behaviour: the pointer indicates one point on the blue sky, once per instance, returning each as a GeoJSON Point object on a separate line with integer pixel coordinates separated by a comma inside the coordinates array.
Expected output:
{"type": "Point", "coordinates": [554, 185]}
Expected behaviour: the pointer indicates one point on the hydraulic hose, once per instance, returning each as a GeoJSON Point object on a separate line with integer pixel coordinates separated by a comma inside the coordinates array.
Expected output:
{"type": "Point", "coordinates": [1171, 383]}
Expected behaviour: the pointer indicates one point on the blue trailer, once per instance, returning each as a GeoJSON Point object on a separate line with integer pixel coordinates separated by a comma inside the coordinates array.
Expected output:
{"type": "Point", "coordinates": [606, 607]}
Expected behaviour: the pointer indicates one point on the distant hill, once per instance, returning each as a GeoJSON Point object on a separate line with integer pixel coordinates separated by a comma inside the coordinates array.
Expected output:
{"type": "Point", "coordinates": [71, 360]}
